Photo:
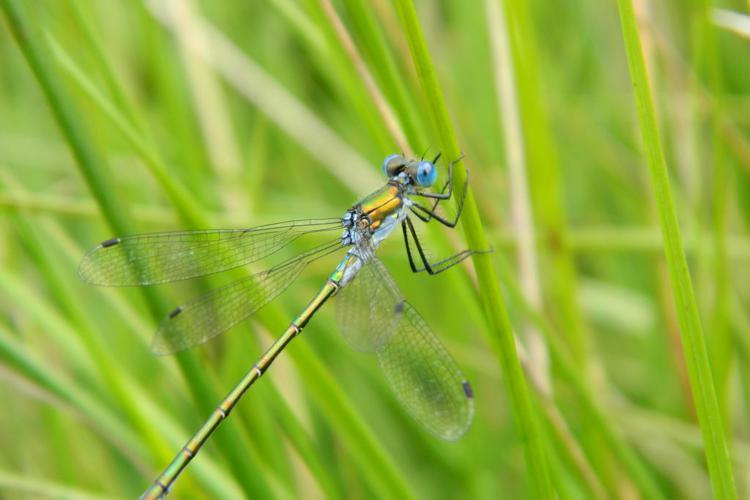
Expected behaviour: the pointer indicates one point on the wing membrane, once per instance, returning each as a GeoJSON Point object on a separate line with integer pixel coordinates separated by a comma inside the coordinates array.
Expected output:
{"type": "Point", "coordinates": [420, 371]}
{"type": "Point", "coordinates": [425, 379]}
{"type": "Point", "coordinates": [219, 310]}
{"type": "Point", "coordinates": [364, 310]}
{"type": "Point", "coordinates": [156, 258]}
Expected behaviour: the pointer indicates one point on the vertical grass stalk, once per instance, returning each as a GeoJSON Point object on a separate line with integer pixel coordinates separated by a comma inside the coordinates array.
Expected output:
{"type": "Point", "coordinates": [520, 202]}
{"type": "Point", "coordinates": [535, 447]}
{"type": "Point", "coordinates": [95, 171]}
{"type": "Point", "coordinates": [545, 181]}
{"type": "Point", "coordinates": [694, 344]}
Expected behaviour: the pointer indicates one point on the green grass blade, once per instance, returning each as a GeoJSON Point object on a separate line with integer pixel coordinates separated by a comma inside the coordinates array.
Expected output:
{"type": "Point", "coordinates": [28, 487]}
{"type": "Point", "coordinates": [40, 372]}
{"type": "Point", "coordinates": [95, 171]}
{"type": "Point", "coordinates": [108, 370]}
{"type": "Point", "coordinates": [720, 344]}
{"type": "Point", "coordinates": [596, 416]}
{"type": "Point", "coordinates": [70, 396]}
{"type": "Point", "coordinates": [376, 464]}
{"type": "Point", "coordinates": [545, 176]}
{"type": "Point", "coordinates": [180, 196]}
{"type": "Point", "coordinates": [384, 65]}
{"type": "Point", "coordinates": [91, 163]}
{"type": "Point", "coordinates": [693, 341]}
{"type": "Point", "coordinates": [535, 447]}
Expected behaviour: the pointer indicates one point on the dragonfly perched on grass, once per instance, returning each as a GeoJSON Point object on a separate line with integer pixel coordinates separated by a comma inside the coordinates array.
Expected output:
{"type": "Point", "coordinates": [372, 314]}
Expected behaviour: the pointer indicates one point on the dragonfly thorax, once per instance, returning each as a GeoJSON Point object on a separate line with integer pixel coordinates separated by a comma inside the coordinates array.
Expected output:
{"type": "Point", "coordinates": [367, 224]}
{"type": "Point", "coordinates": [371, 220]}
{"type": "Point", "coordinates": [356, 227]}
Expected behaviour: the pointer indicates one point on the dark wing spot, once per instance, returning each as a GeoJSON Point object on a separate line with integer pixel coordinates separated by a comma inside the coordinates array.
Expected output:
{"type": "Point", "coordinates": [174, 313]}
{"type": "Point", "coordinates": [399, 308]}
{"type": "Point", "coordinates": [110, 243]}
{"type": "Point", "coordinates": [467, 389]}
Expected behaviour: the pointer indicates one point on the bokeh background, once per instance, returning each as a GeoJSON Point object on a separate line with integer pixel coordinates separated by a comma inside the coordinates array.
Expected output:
{"type": "Point", "coordinates": [195, 114]}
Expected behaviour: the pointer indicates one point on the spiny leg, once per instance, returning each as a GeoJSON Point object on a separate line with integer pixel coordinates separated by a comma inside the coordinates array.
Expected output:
{"type": "Point", "coordinates": [428, 218]}
{"type": "Point", "coordinates": [425, 214]}
{"type": "Point", "coordinates": [408, 247]}
{"type": "Point", "coordinates": [436, 267]}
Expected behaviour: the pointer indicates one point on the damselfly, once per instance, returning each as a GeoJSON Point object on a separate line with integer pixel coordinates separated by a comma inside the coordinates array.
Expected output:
{"type": "Point", "coordinates": [372, 314]}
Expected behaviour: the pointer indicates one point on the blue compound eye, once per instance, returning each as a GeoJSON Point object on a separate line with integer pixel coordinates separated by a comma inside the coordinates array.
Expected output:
{"type": "Point", "coordinates": [391, 164]}
{"type": "Point", "coordinates": [426, 174]}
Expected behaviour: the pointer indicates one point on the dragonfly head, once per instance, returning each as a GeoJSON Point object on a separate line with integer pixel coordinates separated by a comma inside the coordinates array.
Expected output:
{"type": "Point", "coordinates": [421, 172]}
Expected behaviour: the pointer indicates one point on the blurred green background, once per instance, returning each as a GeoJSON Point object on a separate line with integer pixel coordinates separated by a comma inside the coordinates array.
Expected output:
{"type": "Point", "coordinates": [172, 115]}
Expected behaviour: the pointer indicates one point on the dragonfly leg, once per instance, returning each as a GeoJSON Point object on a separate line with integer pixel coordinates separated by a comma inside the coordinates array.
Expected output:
{"type": "Point", "coordinates": [428, 218]}
{"type": "Point", "coordinates": [435, 267]}
{"type": "Point", "coordinates": [408, 247]}
{"type": "Point", "coordinates": [426, 214]}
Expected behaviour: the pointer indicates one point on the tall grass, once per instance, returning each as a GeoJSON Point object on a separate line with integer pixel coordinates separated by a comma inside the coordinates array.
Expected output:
{"type": "Point", "coordinates": [149, 116]}
{"type": "Point", "coordinates": [693, 340]}
{"type": "Point", "coordinates": [489, 289]}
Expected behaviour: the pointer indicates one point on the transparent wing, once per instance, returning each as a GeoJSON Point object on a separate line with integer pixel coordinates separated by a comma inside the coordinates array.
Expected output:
{"type": "Point", "coordinates": [419, 370]}
{"type": "Point", "coordinates": [219, 310]}
{"type": "Point", "coordinates": [364, 310]}
{"type": "Point", "coordinates": [425, 379]}
{"type": "Point", "coordinates": [150, 259]}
